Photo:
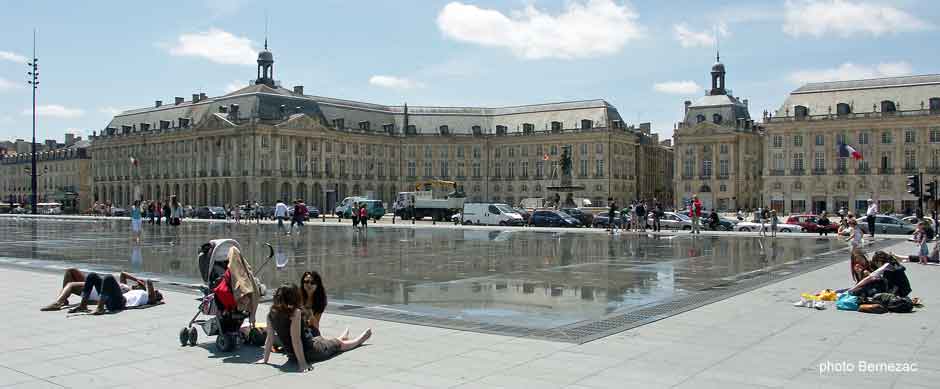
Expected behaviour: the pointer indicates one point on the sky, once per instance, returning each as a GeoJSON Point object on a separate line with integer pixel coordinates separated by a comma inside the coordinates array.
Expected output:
{"type": "Point", "coordinates": [643, 56]}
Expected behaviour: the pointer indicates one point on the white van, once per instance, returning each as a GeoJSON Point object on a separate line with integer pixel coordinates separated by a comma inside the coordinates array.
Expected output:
{"type": "Point", "coordinates": [343, 208]}
{"type": "Point", "coordinates": [491, 214]}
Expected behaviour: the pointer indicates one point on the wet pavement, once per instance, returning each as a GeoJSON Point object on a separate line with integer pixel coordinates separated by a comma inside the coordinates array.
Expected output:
{"type": "Point", "coordinates": [519, 277]}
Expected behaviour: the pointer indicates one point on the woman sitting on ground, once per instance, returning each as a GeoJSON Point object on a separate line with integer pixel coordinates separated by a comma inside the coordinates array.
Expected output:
{"type": "Point", "coordinates": [887, 276]}
{"type": "Point", "coordinates": [313, 300]}
{"type": "Point", "coordinates": [285, 322]}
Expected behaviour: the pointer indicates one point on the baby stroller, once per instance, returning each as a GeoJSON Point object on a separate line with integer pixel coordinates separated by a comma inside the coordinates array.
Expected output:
{"type": "Point", "coordinates": [232, 292]}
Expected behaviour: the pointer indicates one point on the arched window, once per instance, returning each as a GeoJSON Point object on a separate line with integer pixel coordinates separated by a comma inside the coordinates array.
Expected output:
{"type": "Point", "coordinates": [444, 130]}
{"type": "Point", "coordinates": [705, 189]}
{"type": "Point", "coordinates": [800, 112]}
{"type": "Point", "coordinates": [843, 109]}
{"type": "Point", "coordinates": [716, 118]}
{"type": "Point", "coordinates": [888, 106]}
{"type": "Point", "coordinates": [699, 118]}
{"type": "Point", "coordinates": [527, 128]}
{"type": "Point", "coordinates": [476, 130]}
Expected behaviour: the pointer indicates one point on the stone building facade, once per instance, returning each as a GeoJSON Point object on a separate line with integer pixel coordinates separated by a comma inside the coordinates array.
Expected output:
{"type": "Point", "coordinates": [718, 150]}
{"type": "Point", "coordinates": [64, 177]}
{"type": "Point", "coordinates": [894, 123]}
{"type": "Point", "coordinates": [264, 142]}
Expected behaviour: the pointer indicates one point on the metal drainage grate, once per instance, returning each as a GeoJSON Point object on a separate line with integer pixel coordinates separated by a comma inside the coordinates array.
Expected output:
{"type": "Point", "coordinates": [589, 330]}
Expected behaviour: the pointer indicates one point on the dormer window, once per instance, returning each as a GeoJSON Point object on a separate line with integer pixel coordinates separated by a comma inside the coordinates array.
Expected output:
{"type": "Point", "coordinates": [527, 128]}
{"type": "Point", "coordinates": [587, 124]}
{"type": "Point", "coordinates": [388, 128]}
{"type": "Point", "coordinates": [365, 125]}
{"type": "Point", "coordinates": [699, 118]}
{"type": "Point", "coordinates": [339, 124]}
{"type": "Point", "coordinates": [888, 106]}
{"type": "Point", "coordinates": [716, 118]}
{"type": "Point", "coordinates": [184, 122]}
{"type": "Point", "coordinates": [444, 130]}
{"type": "Point", "coordinates": [476, 130]}
{"type": "Point", "coordinates": [935, 105]}
{"type": "Point", "coordinates": [165, 124]}
{"type": "Point", "coordinates": [556, 126]}
{"type": "Point", "coordinates": [800, 112]}
{"type": "Point", "coordinates": [843, 109]}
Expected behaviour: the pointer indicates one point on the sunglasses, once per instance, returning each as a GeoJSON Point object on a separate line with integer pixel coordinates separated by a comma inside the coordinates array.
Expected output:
{"type": "Point", "coordinates": [310, 282]}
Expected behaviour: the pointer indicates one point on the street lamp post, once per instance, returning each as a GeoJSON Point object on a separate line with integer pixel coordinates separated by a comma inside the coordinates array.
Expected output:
{"type": "Point", "coordinates": [34, 82]}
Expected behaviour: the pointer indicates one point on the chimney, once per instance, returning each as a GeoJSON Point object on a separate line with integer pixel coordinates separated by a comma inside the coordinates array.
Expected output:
{"type": "Point", "coordinates": [157, 103]}
{"type": "Point", "coordinates": [645, 128]}
{"type": "Point", "coordinates": [233, 111]}
{"type": "Point", "coordinates": [745, 102]}
{"type": "Point", "coordinates": [687, 104]}
{"type": "Point", "coordinates": [69, 139]}
{"type": "Point", "coordinates": [195, 97]}
{"type": "Point", "coordinates": [298, 89]}
{"type": "Point", "coordinates": [202, 97]}
{"type": "Point", "coordinates": [177, 100]}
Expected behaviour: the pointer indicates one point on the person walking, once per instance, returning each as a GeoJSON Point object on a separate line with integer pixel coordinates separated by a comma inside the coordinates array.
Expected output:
{"type": "Point", "coordinates": [763, 215]}
{"type": "Point", "coordinates": [657, 215]}
{"type": "Point", "coordinates": [920, 239]}
{"type": "Point", "coordinates": [174, 216]}
{"type": "Point", "coordinates": [280, 213]}
{"type": "Point", "coordinates": [773, 223]}
{"type": "Point", "coordinates": [158, 211]}
{"type": "Point", "coordinates": [136, 220]}
{"type": "Point", "coordinates": [870, 216]}
{"type": "Point", "coordinates": [695, 212]}
{"type": "Point", "coordinates": [237, 214]}
{"type": "Point", "coordinates": [300, 213]}
{"type": "Point", "coordinates": [150, 210]}
{"type": "Point", "coordinates": [611, 215]}
{"type": "Point", "coordinates": [168, 211]}
{"type": "Point", "coordinates": [641, 216]}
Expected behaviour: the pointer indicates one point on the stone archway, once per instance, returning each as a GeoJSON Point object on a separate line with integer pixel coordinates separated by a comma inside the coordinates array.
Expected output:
{"type": "Point", "coordinates": [226, 193]}
{"type": "Point", "coordinates": [316, 196]}
{"type": "Point", "coordinates": [285, 192]}
{"type": "Point", "coordinates": [203, 191]}
{"type": "Point", "coordinates": [243, 193]}
{"type": "Point", "coordinates": [214, 194]}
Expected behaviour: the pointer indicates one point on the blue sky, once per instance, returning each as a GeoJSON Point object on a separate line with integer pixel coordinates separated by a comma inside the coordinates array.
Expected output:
{"type": "Point", "coordinates": [643, 56]}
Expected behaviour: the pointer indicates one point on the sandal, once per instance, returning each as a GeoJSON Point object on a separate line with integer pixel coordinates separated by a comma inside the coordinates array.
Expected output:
{"type": "Point", "coordinates": [78, 309]}
{"type": "Point", "coordinates": [52, 307]}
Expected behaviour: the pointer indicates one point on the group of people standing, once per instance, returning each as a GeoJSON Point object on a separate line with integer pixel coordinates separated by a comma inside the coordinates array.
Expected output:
{"type": "Point", "coordinates": [637, 215]}
{"type": "Point", "coordinates": [297, 216]}
{"type": "Point", "coordinates": [171, 211]}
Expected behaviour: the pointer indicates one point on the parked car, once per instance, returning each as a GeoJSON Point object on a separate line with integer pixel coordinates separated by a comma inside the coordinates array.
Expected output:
{"type": "Point", "coordinates": [524, 213]}
{"type": "Point", "coordinates": [550, 218]}
{"type": "Point", "coordinates": [913, 219]}
{"type": "Point", "coordinates": [810, 223]}
{"type": "Point", "coordinates": [887, 225]}
{"type": "Point", "coordinates": [313, 212]}
{"type": "Point", "coordinates": [119, 212]}
{"type": "Point", "coordinates": [603, 220]}
{"type": "Point", "coordinates": [210, 213]}
{"type": "Point", "coordinates": [490, 214]}
{"type": "Point", "coordinates": [673, 221]}
{"type": "Point", "coordinates": [754, 225]}
{"type": "Point", "coordinates": [723, 224]}
{"type": "Point", "coordinates": [586, 218]}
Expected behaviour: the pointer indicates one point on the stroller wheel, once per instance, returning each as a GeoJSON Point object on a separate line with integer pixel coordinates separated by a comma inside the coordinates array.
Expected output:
{"type": "Point", "coordinates": [225, 343]}
{"type": "Point", "coordinates": [184, 336]}
{"type": "Point", "coordinates": [193, 336]}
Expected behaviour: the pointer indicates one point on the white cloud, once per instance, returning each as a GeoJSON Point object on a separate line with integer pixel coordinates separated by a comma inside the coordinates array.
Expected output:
{"type": "Point", "coordinates": [55, 111]}
{"type": "Point", "coordinates": [820, 17]}
{"type": "Point", "coordinates": [851, 71]}
{"type": "Point", "coordinates": [14, 57]}
{"type": "Point", "coordinates": [6, 84]}
{"type": "Point", "coordinates": [689, 38]}
{"type": "Point", "coordinates": [393, 82]}
{"type": "Point", "coordinates": [234, 86]}
{"type": "Point", "coordinates": [586, 28]}
{"type": "Point", "coordinates": [111, 111]}
{"type": "Point", "coordinates": [677, 87]}
{"type": "Point", "coordinates": [217, 46]}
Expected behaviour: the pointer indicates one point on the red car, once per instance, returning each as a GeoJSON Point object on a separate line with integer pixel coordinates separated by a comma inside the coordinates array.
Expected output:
{"type": "Point", "coordinates": [809, 222]}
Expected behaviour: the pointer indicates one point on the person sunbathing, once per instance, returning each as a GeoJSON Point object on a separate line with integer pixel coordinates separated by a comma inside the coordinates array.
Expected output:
{"type": "Point", "coordinates": [106, 291]}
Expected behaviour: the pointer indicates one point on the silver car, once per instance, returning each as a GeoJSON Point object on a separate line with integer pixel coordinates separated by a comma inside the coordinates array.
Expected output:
{"type": "Point", "coordinates": [885, 224]}
{"type": "Point", "coordinates": [674, 221]}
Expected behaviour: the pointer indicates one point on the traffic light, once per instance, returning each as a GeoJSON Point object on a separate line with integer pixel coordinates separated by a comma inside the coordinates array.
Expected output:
{"type": "Point", "coordinates": [930, 192]}
{"type": "Point", "coordinates": [913, 185]}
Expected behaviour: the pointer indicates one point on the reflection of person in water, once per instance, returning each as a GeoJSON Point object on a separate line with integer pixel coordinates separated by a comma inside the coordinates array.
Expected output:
{"type": "Point", "coordinates": [137, 260]}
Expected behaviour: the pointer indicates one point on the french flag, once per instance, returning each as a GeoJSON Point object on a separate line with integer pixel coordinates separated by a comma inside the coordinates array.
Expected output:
{"type": "Point", "coordinates": [846, 151]}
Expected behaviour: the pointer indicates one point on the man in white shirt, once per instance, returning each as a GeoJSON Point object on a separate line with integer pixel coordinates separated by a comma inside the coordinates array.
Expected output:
{"type": "Point", "coordinates": [280, 213]}
{"type": "Point", "coordinates": [870, 216]}
{"type": "Point", "coordinates": [115, 296]}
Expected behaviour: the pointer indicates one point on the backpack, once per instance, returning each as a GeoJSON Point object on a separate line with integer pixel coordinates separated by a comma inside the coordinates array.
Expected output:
{"type": "Point", "coordinates": [894, 303]}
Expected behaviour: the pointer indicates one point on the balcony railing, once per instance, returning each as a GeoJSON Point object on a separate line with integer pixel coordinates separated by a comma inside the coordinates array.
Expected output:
{"type": "Point", "coordinates": [909, 170]}
{"type": "Point", "coordinates": [776, 172]}
{"type": "Point", "coordinates": [841, 171]}
{"type": "Point", "coordinates": [933, 170]}
{"type": "Point", "coordinates": [851, 116]}
{"type": "Point", "coordinates": [819, 172]}
{"type": "Point", "coordinates": [797, 172]}
{"type": "Point", "coordinates": [886, 171]}
{"type": "Point", "coordinates": [863, 171]}
{"type": "Point", "coordinates": [723, 176]}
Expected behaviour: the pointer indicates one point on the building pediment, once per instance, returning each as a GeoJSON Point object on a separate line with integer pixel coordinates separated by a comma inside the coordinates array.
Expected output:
{"type": "Point", "coordinates": [216, 121]}
{"type": "Point", "coordinates": [301, 121]}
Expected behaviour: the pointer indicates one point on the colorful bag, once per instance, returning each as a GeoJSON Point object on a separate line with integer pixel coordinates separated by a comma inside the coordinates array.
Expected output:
{"type": "Point", "coordinates": [847, 302]}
